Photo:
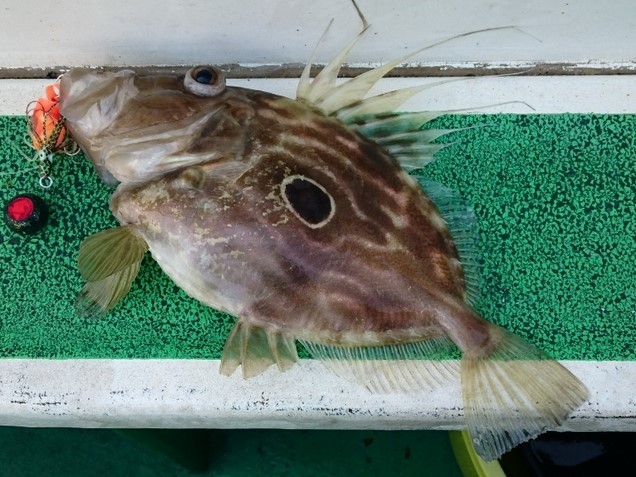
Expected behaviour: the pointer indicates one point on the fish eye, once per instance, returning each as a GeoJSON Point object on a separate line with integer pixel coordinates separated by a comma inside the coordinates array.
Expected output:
{"type": "Point", "coordinates": [204, 81]}
{"type": "Point", "coordinates": [203, 76]}
{"type": "Point", "coordinates": [308, 200]}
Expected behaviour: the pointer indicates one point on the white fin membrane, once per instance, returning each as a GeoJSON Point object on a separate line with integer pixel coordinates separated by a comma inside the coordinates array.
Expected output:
{"type": "Point", "coordinates": [406, 367]}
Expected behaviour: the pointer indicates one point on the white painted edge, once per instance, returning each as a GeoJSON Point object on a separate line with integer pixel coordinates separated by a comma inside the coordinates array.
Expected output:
{"type": "Point", "coordinates": [611, 94]}
{"type": "Point", "coordinates": [192, 394]}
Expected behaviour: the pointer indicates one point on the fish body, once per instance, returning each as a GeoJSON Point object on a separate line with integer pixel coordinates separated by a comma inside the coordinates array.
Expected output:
{"type": "Point", "coordinates": [298, 217]}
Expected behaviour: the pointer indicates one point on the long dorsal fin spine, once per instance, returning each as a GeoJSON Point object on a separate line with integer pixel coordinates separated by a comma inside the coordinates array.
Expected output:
{"type": "Point", "coordinates": [382, 103]}
{"type": "Point", "coordinates": [312, 91]}
{"type": "Point", "coordinates": [383, 126]}
{"type": "Point", "coordinates": [325, 94]}
{"type": "Point", "coordinates": [304, 84]}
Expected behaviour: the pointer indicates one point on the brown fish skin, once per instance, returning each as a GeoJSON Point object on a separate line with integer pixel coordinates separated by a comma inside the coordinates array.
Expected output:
{"type": "Point", "coordinates": [379, 271]}
{"type": "Point", "coordinates": [285, 217]}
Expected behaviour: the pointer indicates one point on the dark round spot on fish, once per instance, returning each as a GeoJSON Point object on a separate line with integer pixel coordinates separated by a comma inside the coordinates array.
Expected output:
{"type": "Point", "coordinates": [308, 200]}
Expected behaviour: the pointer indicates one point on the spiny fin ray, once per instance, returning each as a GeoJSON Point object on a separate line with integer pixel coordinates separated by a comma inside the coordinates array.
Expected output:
{"type": "Point", "coordinates": [402, 136]}
{"type": "Point", "coordinates": [323, 92]}
{"type": "Point", "coordinates": [255, 349]}
{"type": "Point", "coordinates": [354, 90]}
{"type": "Point", "coordinates": [382, 103]}
{"type": "Point", "coordinates": [304, 84]}
{"type": "Point", "coordinates": [382, 126]}
{"type": "Point", "coordinates": [325, 81]}
{"type": "Point", "coordinates": [415, 157]}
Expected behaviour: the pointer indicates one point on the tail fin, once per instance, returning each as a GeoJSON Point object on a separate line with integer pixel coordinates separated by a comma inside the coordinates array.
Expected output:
{"type": "Point", "coordinates": [515, 394]}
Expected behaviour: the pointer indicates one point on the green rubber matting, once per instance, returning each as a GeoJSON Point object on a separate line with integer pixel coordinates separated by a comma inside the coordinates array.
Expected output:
{"type": "Point", "coordinates": [555, 196]}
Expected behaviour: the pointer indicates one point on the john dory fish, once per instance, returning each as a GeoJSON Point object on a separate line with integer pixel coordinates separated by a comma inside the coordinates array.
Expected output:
{"type": "Point", "coordinates": [297, 217]}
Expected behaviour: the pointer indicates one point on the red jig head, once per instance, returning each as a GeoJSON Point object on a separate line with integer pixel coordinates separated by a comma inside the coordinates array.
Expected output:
{"type": "Point", "coordinates": [47, 133]}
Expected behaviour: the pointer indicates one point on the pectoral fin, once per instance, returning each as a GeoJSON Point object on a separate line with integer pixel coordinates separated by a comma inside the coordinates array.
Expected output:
{"type": "Point", "coordinates": [109, 261]}
{"type": "Point", "coordinates": [255, 349]}
{"type": "Point", "coordinates": [109, 251]}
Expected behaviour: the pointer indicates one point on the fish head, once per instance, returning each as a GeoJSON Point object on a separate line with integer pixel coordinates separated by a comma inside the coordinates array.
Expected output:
{"type": "Point", "coordinates": [136, 127]}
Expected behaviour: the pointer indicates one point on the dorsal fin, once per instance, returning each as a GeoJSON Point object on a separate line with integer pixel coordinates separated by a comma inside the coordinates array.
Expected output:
{"type": "Point", "coordinates": [325, 81]}
{"type": "Point", "coordinates": [325, 94]}
{"type": "Point", "coordinates": [463, 227]}
{"type": "Point", "coordinates": [388, 102]}
{"type": "Point", "coordinates": [388, 125]}
{"type": "Point", "coordinates": [402, 136]}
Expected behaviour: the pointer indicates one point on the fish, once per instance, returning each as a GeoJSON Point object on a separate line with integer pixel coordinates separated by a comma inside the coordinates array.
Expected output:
{"type": "Point", "coordinates": [299, 217]}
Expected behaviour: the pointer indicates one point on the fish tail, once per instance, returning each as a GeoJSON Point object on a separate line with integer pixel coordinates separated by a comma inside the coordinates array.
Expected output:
{"type": "Point", "coordinates": [514, 394]}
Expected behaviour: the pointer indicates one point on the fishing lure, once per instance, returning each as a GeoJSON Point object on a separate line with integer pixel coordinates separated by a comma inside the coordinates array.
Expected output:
{"type": "Point", "coordinates": [47, 134]}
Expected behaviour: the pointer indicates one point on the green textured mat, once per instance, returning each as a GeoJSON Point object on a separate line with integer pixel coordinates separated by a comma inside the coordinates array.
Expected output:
{"type": "Point", "coordinates": [556, 200]}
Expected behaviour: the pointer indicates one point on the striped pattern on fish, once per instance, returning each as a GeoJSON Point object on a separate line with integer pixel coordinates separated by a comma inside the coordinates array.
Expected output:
{"type": "Point", "coordinates": [276, 149]}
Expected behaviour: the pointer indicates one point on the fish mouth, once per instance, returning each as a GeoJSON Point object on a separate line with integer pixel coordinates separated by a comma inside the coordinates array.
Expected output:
{"type": "Point", "coordinates": [90, 99]}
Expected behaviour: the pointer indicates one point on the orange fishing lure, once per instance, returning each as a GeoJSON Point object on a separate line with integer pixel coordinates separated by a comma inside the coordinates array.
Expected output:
{"type": "Point", "coordinates": [46, 125]}
{"type": "Point", "coordinates": [47, 132]}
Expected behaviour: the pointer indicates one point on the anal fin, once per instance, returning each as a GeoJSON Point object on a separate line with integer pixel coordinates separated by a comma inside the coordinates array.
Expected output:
{"type": "Point", "coordinates": [405, 367]}
{"type": "Point", "coordinates": [255, 349]}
